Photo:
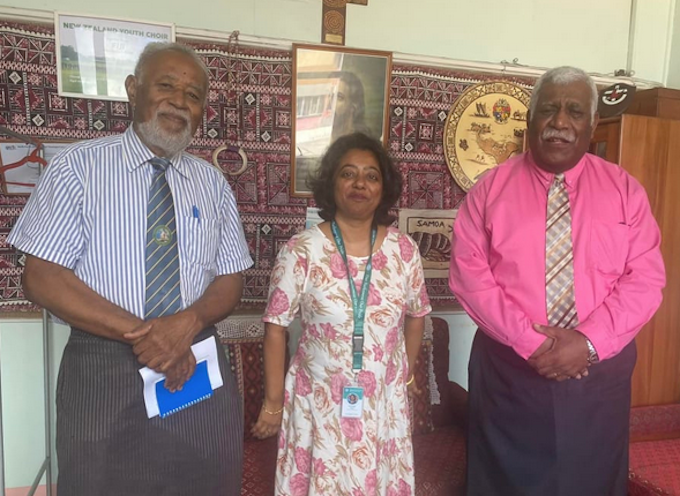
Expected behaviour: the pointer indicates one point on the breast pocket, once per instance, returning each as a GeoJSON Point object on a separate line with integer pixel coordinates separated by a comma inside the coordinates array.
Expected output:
{"type": "Point", "coordinates": [608, 247]}
{"type": "Point", "coordinates": [198, 240]}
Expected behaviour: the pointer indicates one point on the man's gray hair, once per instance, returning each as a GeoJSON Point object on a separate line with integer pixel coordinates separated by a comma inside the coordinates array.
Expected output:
{"type": "Point", "coordinates": [561, 76]}
{"type": "Point", "coordinates": [155, 48]}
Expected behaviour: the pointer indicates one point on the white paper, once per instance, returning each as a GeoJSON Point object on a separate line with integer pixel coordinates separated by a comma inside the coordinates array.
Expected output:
{"type": "Point", "coordinates": [313, 217]}
{"type": "Point", "coordinates": [203, 350]}
{"type": "Point", "coordinates": [21, 179]}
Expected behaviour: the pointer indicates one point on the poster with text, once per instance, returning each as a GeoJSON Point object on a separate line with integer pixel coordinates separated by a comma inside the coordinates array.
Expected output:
{"type": "Point", "coordinates": [96, 54]}
{"type": "Point", "coordinates": [21, 164]}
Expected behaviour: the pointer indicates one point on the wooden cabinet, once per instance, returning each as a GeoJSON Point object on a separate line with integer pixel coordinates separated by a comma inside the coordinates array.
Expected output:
{"type": "Point", "coordinates": [656, 102]}
{"type": "Point", "coordinates": [649, 149]}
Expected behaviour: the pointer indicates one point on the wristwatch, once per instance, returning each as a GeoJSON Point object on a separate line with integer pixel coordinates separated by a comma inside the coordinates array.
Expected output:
{"type": "Point", "coordinates": [592, 352]}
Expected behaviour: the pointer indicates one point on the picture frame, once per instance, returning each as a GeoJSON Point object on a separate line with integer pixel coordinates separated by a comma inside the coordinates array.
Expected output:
{"type": "Point", "coordinates": [336, 91]}
{"type": "Point", "coordinates": [21, 165]}
{"type": "Point", "coordinates": [432, 231]}
{"type": "Point", "coordinates": [95, 54]}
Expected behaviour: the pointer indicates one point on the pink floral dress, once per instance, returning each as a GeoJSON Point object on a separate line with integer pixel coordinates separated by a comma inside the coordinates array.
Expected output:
{"type": "Point", "coordinates": [321, 453]}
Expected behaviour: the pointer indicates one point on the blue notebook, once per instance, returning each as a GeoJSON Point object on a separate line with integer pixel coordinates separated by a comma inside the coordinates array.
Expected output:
{"type": "Point", "coordinates": [196, 389]}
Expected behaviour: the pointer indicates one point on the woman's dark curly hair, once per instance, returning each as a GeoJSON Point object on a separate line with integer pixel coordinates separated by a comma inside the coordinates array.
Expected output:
{"type": "Point", "coordinates": [322, 184]}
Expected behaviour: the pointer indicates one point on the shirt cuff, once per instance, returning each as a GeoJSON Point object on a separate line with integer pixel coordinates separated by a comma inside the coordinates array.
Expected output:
{"type": "Point", "coordinates": [422, 312]}
{"type": "Point", "coordinates": [43, 250]}
{"type": "Point", "coordinates": [280, 320]}
{"type": "Point", "coordinates": [235, 266]}
{"type": "Point", "coordinates": [528, 342]}
{"type": "Point", "coordinates": [604, 345]}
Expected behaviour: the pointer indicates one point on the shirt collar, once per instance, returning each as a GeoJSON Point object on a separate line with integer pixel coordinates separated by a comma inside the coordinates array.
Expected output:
{"type": "Point", "coordinates": [570, 176]}
{"type": "Point", "coordinates": [137, 153]}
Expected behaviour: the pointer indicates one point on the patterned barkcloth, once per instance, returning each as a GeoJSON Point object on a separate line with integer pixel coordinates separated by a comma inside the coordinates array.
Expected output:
{"type": "Point", "coordinates": [420, 98]}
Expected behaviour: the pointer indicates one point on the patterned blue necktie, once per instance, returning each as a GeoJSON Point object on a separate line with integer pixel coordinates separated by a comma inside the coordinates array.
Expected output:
{"type": "Point", "coordinates": [163, 296]}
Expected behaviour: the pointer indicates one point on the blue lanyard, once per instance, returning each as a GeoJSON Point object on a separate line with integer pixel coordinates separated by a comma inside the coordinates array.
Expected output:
{"type": "Point", "coordinates": [359, 303]}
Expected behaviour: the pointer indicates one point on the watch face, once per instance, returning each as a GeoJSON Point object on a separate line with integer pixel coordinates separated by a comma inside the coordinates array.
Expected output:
{"type": "Point", "coordinates": [592, 353]}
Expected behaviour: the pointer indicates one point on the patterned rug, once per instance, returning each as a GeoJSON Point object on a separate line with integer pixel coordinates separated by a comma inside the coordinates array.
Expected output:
{"type": "Point", "coordinates": [420, 98]}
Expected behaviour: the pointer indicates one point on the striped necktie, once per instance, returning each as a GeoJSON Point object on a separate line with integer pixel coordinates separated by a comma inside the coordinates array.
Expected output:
{"type": "Point", "coordinates": [559, 258]}
{"type": "Point", "coordinates": [163, 296]}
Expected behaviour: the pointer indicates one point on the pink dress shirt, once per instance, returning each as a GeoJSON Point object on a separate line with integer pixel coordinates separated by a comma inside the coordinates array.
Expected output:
{"type": "Point", "coordinates": [498, 253]}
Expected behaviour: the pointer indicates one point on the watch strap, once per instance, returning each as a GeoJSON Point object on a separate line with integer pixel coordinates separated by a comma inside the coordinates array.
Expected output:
{"type": "Point", "coordinates": [592, 352]}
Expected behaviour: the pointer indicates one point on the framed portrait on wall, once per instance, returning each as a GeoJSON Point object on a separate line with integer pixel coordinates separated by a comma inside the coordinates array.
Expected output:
{"type": "Point", "coordinates": [96, 54]}
{"type": "Point", "coordinates": [336, 91]}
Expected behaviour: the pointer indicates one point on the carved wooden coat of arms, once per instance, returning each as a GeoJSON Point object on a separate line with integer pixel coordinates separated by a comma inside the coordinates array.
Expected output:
{"type": "Point", "coordinates": [484, 128]}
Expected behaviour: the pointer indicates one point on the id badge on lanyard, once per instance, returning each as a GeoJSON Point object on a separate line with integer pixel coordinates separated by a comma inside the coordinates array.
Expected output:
{"type": "Point", "coordinates": [352, 401]}
{"type": "Point", "coordinates": [353, 396]}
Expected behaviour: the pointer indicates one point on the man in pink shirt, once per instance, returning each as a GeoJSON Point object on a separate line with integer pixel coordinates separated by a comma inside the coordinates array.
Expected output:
{"type": "Point", "coordinates": [559, 290]}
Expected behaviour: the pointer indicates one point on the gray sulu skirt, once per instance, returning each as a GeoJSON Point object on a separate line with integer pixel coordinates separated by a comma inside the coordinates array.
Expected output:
{"type": "Point", "coordinates": [106, 445]}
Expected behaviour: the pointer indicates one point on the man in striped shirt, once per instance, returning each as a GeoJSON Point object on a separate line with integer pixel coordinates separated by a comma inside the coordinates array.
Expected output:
{"type": "Point", "coordinates": [84, 231]}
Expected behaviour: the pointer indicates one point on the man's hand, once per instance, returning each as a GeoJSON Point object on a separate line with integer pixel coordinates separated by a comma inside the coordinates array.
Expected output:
{"type": "Point", "coordinates": [543, 349]}
{"type": "Point", "coordinates": [176, 376]}
{"type": "Point", "coordinates": [163, 343]}
{"type": "Point", "coordinates": [567, 357]}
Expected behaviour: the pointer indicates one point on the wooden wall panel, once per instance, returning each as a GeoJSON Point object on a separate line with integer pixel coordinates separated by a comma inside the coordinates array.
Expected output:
{"type": "Point", "coordinates": [606, 140]}
{"type": "Point", "coordinates": [650, 151]}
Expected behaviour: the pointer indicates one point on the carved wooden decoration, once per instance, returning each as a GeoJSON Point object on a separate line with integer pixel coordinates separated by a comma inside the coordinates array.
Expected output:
{"type": "Point", "coordinates": [334, 20]}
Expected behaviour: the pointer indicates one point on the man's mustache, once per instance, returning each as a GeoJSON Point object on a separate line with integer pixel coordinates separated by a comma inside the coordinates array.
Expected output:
{"type": "Point", "coordinates": [557, 134]}
{"type": "Point", "coordinates": [184, 115]}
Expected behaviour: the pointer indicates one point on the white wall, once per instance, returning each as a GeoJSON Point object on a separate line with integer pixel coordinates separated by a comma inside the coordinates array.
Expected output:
{"type": "Point", "coordinates": [674, 55]}
{"type": "Point", "coordinates": [653, 37]}
{"type": "Point", "coordinates": [23, 414]}
{"type": "Point", "coordinates": [22, 399]}
{"type": "Point", "coordinates": [544, 33]}
{"type": "Point", "coordinates": [461, 332]}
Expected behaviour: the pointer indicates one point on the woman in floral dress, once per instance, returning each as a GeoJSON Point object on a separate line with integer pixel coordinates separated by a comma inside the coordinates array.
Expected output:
{"type": "Point", "coordinates": [322, 449]}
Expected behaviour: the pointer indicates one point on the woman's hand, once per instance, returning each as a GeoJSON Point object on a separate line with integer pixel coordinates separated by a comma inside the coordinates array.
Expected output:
{"type": "Point", "coordinates": [268, 423]}
{"type": "Point", "coordinates": [413, 335]}
{"type": "Point", "coordinates": [412, 387]}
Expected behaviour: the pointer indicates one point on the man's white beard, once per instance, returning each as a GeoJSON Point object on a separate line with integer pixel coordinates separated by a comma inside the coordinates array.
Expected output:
{"type": "Point", "coordinates": [171, 143]}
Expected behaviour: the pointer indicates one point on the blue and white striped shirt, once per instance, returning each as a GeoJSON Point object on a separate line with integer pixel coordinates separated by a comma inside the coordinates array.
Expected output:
{"type": "Point", "coordinates": [88, 213]}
